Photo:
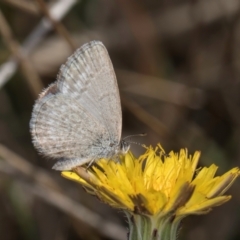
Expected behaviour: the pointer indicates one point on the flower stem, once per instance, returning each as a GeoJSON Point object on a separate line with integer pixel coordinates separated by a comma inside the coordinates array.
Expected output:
{"type": "Point", "coordinates": [142, 227]}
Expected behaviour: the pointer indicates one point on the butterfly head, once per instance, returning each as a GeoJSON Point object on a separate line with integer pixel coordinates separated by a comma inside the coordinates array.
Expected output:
{"type": "Point", "coordinates": [124, 146]}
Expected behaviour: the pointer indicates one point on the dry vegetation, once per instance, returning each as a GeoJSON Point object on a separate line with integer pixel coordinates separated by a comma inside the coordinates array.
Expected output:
{"type": "Point", "coordinates": [177, 64]}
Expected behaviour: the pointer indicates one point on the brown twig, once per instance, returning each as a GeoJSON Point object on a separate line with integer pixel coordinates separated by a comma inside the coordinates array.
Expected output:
{"type": "Point", "coordinates": [78, 211]}
{"type": "Point", "coordinates": [43, 186]}
{"type": "Point", "coordinates": [161, 89]}
{"type": "Point", "coordinates": [145, 117]}
{"type": "Point", "coordinates": [24, 167]}
{"type": "Point", "coordinates": [27, 6]}
{"type": "Point", "coordinates": [59, 9]}
{"type": "Point", "coordinates": [31, 75]}
{"type": "Point", "coordinates": [170, 24]}
{"type": "Point", "coordinates": [60, 29]}
{"type": "Point", "coordinates": [145, 34]}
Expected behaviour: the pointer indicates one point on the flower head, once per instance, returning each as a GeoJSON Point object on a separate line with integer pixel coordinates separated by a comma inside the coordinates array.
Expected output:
{"type": "Point", "coordinates": [156, 184]}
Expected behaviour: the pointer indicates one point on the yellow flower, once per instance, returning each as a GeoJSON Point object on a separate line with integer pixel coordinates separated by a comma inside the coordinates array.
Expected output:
{"type": "Point", "coordinates": [156, 184]}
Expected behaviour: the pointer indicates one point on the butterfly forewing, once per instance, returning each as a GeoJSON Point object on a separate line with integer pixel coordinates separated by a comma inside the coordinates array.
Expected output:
{"type": "Point", "coordinates": [88, 76]}
{"type": "Point", "coordinates": [79, 117]}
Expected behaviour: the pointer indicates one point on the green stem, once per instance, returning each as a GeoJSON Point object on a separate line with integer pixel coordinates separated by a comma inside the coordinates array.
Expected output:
{"type": "Point", "coordinates": [142, 227]}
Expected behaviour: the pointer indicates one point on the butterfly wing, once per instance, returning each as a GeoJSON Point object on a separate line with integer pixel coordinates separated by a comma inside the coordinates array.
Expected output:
{"type": "Point", "coordinates": [61, 128]}
{"type": "Point", "coordinates": [89, 77]}
{"type": "Point", "coordinates": [79, 117]}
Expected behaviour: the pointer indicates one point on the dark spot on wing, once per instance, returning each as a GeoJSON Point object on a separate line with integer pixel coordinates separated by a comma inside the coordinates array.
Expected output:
{"type": "Point", "coordinates": [52, 89]}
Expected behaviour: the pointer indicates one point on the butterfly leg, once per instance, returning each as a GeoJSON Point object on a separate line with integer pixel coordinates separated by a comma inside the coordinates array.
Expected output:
{"type": "Point", "coordinates": [90, 163]}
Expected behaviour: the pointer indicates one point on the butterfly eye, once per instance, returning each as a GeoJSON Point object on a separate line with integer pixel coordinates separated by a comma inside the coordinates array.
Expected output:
{"type": "Point", "coordinates": [124, 146]}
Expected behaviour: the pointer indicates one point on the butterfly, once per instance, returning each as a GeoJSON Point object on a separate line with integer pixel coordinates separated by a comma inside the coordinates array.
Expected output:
{"type": "Point", "coordinates": [78, 119]}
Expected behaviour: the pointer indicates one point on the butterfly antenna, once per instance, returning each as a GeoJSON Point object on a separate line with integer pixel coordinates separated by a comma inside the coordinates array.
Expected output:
{"type": "Point", "coordinates": [137, 143]}
{"type": "Point", "coordinates": [135, 135]}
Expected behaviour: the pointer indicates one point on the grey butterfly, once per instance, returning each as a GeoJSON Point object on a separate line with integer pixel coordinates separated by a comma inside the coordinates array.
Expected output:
{"type": "Point", "coordinates": [78, 118]}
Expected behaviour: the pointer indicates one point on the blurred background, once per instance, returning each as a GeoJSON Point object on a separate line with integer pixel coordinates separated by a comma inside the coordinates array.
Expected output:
{"type": "Point", "coordinates": [178, 70]}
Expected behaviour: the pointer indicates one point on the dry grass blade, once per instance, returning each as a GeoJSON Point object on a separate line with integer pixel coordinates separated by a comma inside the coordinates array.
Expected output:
{"type": "Point", "coordinates": [60, 29]}
{"type": "Point", "coordinates": [58, 11]}
{"type": "Point", "coordinates": [145, 35]}
{"type": "Point", "coordinates": [29, 72]}
{"type": "Point", "coordinates": [27, 6]}
{"type": "Point", "coordinates": [187, 16]}
{"type": "Point", "coordinates": [161, 89]}
{"type": "Point", "coordinates": [24, 167]}
{"type": "Point", "coordinates": [145, 117]}
{"type": "Point", "coordinates": [46, 188]}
